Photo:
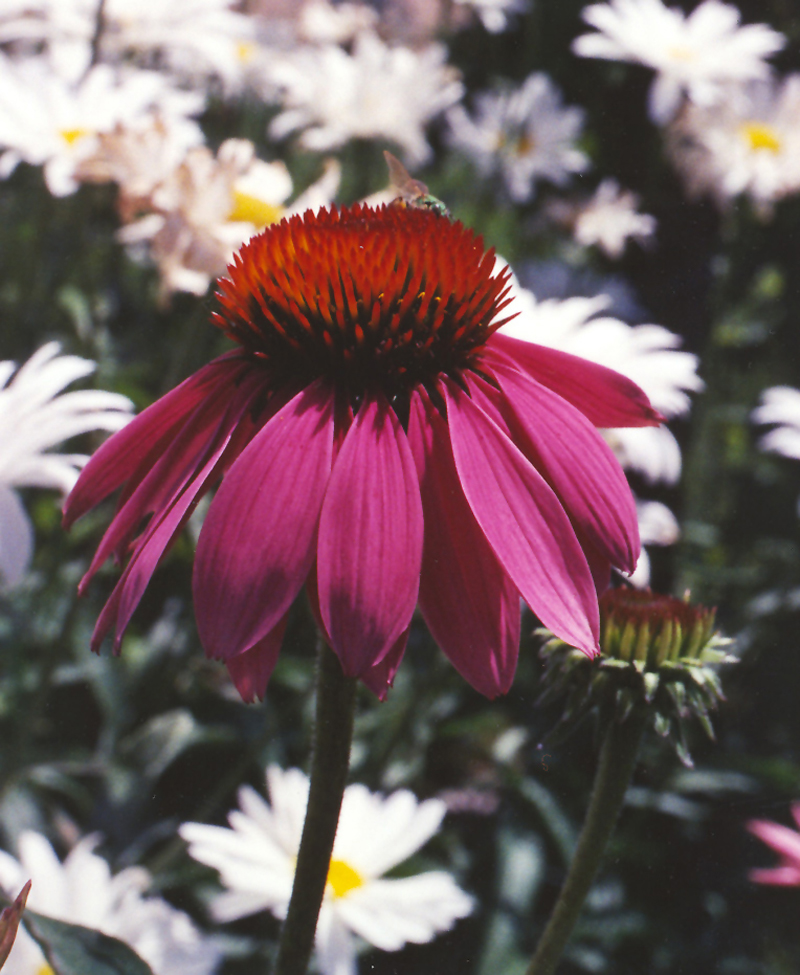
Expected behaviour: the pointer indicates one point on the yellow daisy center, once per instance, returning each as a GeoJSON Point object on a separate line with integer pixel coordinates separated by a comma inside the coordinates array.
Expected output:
{"type": "Point", "coordinates": [71, 136]}
{"type": "Point", "coordinates": [245, 51]}
{"type": "Point", "coordinates": [758, 135]}
{"type": "Point", "coordinates": [343, 878]}
{"type": "Point", "coordinates": [682, 53]}
{"type": "Point", "coordinates": [45, 970]}
{"type": "Point", "coordinates": [249, 209]}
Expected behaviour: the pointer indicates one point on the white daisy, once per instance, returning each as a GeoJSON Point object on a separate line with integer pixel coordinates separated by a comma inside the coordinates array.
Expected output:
{"type": "Point", "coordinates": [694, 55]}
{"type": "Point", "coordinates": [141, 156]}
{"type": "Point", "coordinates": [256, 861]}
{"type": "Point", "coordinates": [320, 22]}
{"type": "Point", "coordinates": [194, 37]}
{"type": "Point", "coordinates": [646, 354]}
{"type": "Point", "coordinates": [750, 143]}
{"type": "Point", "coordinates": [657, 526]}
{"type": "Point", "coordinates": [377, 92]}
{"type": "Point", "coordinates": [610, 219]}
{"type": "Point", "coordinates": [780, 405]}
{"type": "Point", "coordinates": [524, 134]}
{"type": "Point", "coordinates": [495, 14]}
{"type": "Point", "coordinates": [82, 890]}
{"type": "Point", "coordinates": [210, 205]}
{"type": "Point", "coordinates": [48, 122]}
{"type": "Point", "coordinates": [34, 418]}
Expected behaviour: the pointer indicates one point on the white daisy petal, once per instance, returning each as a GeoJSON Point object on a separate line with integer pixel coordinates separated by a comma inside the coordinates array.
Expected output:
{"type": "Point", "coordinates": [82, 890]}
{"type": "Point", "coordinates": [375, 833]}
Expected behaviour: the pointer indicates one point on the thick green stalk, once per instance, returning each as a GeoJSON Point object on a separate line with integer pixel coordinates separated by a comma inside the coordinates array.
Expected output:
{"type": "Point", "coordinates": [614, 771]}
{"type": "Point", "coordinates": [330, 759]}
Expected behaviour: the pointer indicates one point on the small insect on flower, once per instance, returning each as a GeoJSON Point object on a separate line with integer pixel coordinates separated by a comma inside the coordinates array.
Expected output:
{"type": "Point", "coordinates": [413, 191]}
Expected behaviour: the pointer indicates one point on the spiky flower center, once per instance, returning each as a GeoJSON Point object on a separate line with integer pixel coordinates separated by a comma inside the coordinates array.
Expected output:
{"type": "Point", "coordinates": [639, 625]}
{"type": "Point", "coordinates": [372, 299]}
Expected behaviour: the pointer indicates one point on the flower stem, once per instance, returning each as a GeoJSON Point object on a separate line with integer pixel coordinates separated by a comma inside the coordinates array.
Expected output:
{"type": "Point", "coordinates": [330, 759]}
{"type": "Point", "coordinates": [614, 771]}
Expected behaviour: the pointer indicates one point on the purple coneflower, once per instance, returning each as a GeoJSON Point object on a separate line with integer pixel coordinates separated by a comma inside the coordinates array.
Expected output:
{"type": "Point", "coordinates": [380, 442]}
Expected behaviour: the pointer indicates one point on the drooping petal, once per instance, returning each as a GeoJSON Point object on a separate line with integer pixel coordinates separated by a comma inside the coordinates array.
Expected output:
{"type": "Point", "coordinates": [607, 398]}
{"type": "Point", "coordinates": [258, 540]}
{"type": "Point", "coordinates": [524, 523]}
{"type": "Point", "coordinates": [380, 677]}
{"type": "Point", "coordinates": [370, 539]}
{"type": "Point", "coordinates": [782, 839]}
{"type": "Point", "coordinates": [150, 547]}
{"type": "Point", "coordinates": [468, 600]}
{"type": "Point", "coordinates": [146, 437]}
{"type": "Point", "coordinates": [250, 671]}
{"type": "Point", "coordinates": [16, 538]}
{"type": "Point", "coordinates": [210, 424]}
{"type": "Point", "coordinates": [577, 463]}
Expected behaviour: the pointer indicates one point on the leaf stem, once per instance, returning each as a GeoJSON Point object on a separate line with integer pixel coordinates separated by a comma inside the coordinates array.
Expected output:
{"type": "Point", "coordinates": [330, 760]}
{"type": "Point", "coordinates": [614, 771]}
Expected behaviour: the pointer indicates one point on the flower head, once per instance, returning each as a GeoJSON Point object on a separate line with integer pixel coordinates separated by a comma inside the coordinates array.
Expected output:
{"type": "Point", "coordinates": [784, 841]}
{"type": "Point", "coordinates": [256, 860]}
{"type": "Point", "coordinates": [380, 442]}
{"type": "Point", "coordinates": [749, 143]}
{"type": "Point", "coordinates": [694, 55]}
{"type": "Point", "coordinates": [658, 652]}
{"type": "Point", "coordinates": [610, 218]}
{"type": "Point", "coordinates": [82, 890]}
{"type": "Point", "coordinates": [47, 121]}
{"type": "Point", "coordinates": [35, 415]}
{"type": "Point", "coordinates": [375, 92]}
{"type": "Point", "coordinates": [525, 134]}
{"type": "Point", "coordinates": [780, 405]}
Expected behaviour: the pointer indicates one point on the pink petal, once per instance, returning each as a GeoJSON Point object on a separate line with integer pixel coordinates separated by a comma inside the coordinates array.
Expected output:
{"type": "Point", "coordinates": [575, 460]}
{"type": "Point", "coordinates": [258, 540]}
{"type": "Point", "coordinates": [524, 523]}
{"type": "Point", "coordinates": [468, 600]}
{"type": "Point", "coordinates": [163, 528]}
{"type": "Point", "coordinates": [604, 396]}
{"type": "Point", "coordinates": [250, 671]}
{"type": "Point", "coordinates": [146, 437]}
{"type": "Point", "coordinates": [786, 841]}
{"type": "Point", "coordinates": [380, 677]}
{"type": "Point", "coordinates": [167, 478]}
{"type": "Point", "coordinates": [777, 876]}
{"type": "Point", "coordinates": [370, 539]}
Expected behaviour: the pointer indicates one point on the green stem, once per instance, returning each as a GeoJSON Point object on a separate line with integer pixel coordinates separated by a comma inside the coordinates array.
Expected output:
{"type": "Point", "coordinates": [614, 771]}
{"type": "Point", "coordinates": [330, 759]}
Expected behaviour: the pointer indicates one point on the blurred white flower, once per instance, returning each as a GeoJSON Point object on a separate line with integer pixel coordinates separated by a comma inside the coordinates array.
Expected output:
{"type": "Point", "coordinates": [647, 354]}
{"type": "Point", "coordinates": [525, 134]}
{"type": "Point", "coordinates": [750, 143]}
{"type": "Point", "coordinates": [780, 405]}
{"type": "Point", "coordinates": [321, 22]}
{"type": "Point", "coordinates": [210, 205]}
{"type": "Point", "coordinates": [657, 526]}
{"type": "Point", "coordinates": [196, 38]}
{"type": "Point", "coordinates": [495, 14]}
{"type": "Point", "coordinates": [49, 122]}
{"type": "Point", "coordinates": [82, 890]}
{"type": "Point", "coordinates": [256, 861]}
{"type": "Point", "coordinates": [692, 55]}
{"type": "Point", "coordinates": [377, 92]}
{"type": "Point", "coordinates": [34, 418]}
{"type": "Point", "coordinates": [140, 156]}
{"type": "Point", "coordinates": [610, 218]}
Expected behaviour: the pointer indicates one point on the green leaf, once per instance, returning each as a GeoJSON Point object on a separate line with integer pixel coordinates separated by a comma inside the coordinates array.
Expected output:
{"type": "Point", "coordinates": [72, 949]}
